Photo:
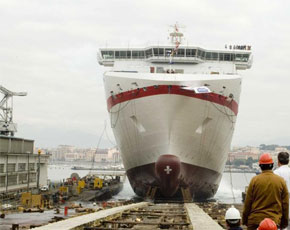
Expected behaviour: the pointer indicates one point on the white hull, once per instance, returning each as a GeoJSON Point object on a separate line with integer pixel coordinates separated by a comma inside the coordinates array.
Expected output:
{"type": "Point", "coordinates": [198, 131]}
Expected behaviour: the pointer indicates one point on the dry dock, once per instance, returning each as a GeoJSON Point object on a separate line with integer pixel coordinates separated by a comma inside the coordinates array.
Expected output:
{"type": "Point", "coordinates": [143, 215]}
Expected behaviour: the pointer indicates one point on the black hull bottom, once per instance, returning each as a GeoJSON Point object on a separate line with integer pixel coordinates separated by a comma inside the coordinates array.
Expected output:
{"type": "Point", "coordinates": [202, 183]}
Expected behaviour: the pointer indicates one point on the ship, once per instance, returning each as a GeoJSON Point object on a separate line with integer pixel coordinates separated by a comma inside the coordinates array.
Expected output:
{"type": "Point", "coordinates": [173, 110]}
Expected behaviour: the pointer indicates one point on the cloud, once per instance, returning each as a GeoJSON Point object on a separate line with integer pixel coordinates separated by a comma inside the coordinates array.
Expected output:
{"type": "Point", "coordinates": [49, 50]}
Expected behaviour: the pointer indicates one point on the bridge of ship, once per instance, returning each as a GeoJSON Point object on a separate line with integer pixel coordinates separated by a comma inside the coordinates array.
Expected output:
{"type": "Point", "coordinates": [184, 55]}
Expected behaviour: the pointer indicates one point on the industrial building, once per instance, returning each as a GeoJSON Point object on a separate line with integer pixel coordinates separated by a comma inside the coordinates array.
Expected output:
{"type": "Point", "coordinates": [19, 165]}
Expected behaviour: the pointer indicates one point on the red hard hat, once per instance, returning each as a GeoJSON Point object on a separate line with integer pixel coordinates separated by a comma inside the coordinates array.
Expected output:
{"type": "Point", "coordinates": [265, 159]}
{"type": "Point", "coordinates": [267, 224]}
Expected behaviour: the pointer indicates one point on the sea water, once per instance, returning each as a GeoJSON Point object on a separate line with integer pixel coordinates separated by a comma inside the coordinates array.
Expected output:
{"type": "Point", "coordinates": [230, 189]}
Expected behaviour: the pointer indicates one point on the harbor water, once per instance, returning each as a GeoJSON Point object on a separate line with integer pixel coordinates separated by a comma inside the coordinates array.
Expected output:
{"type": "Point", "coordinates": [230, 190]}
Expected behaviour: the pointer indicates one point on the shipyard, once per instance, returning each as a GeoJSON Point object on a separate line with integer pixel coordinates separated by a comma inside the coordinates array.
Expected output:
{"type": "Point", "coordinates": [144, 115]}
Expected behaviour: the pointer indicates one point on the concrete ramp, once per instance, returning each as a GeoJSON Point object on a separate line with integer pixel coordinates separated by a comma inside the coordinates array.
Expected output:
{"type": "Point", "coordinates": [199, 219]}
{"type": "Point", "coordinates": [87, 220]}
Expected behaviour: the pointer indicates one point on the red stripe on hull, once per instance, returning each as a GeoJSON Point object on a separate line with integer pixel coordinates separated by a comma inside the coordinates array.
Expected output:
{"type": "Point", "coordinates": [202, 182]}
{"type": "Point", "coordinates": [171, 89]}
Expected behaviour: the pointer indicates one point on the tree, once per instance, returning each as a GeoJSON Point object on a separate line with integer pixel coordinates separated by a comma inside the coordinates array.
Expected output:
{"type": "Point", "coordinates": [250, 162]}
{"type": "Point", "coordinates": [238, 162]}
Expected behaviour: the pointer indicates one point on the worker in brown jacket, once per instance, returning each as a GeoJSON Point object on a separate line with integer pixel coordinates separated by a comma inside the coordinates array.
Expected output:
{"type": "Point", "coordinates": [267, 197]}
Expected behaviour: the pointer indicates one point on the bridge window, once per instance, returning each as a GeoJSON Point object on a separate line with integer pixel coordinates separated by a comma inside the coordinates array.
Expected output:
{"type": "Point", "coordinates": [158, 52]}
{"type": "Point", "coordinates": [208, 56]}
{"type": "Point", "coordinates": [211, 56]}
{"type": "Point", "coordinates": [108, 54]}
{"type": "Point", "coordinates": [123, 54]}
{"type": "Point", "coordinates": [190, 52]}
{"type": "Point", "coordinates": [238, 57]}
{"type": "Point", "coordinates": [117, 54]}
{"type": "Point", "coordinates": [245, 57]}
{"type": "Point", "coordinates": [228, 57]}
{"type": "Point", "coordinates": [200, 54]}
{"type": "Point", "coordinates": [180, 53]}
{"type": "Point", "coordinates": [168, 52]}
{"type": "Point", "coordinates": [214, 56]}
{"type": "Point", "coordinates": [155, 52]}
{"type": "Point", "coordinates": [138, 54]}
{"type": "Point", "coordinates": [148, 53]}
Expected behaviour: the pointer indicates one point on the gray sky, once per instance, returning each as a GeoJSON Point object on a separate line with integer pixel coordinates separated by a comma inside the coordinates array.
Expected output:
{"type": "Point", "coordinates": [48, 48]}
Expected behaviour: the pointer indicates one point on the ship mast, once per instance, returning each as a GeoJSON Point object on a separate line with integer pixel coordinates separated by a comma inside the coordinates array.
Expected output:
{"type": "Point", "coordinates": [7, 127]}
{"type": "Point", "coordinates": [176, 39]}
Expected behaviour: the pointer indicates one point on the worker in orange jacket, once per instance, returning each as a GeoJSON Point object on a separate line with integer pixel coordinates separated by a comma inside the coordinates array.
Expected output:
{"type": "Point", "coordinates": [267, 197]}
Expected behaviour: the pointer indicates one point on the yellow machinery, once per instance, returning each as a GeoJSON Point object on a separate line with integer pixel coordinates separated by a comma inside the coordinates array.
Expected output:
{"type": "Point", "coordinates": [81, 185]}
{"type": "Point", "coordinates": [98, 183]}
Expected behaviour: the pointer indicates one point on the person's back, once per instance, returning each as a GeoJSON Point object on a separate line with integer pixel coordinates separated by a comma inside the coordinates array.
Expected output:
{"type": "Point", "coordinates": [267, 197]}
{"type": "Point", "coordinates": [283, 170]}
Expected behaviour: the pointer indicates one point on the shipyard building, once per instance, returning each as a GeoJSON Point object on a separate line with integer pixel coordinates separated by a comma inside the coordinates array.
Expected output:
{"type": "Point", "coordinates": [20, 168]}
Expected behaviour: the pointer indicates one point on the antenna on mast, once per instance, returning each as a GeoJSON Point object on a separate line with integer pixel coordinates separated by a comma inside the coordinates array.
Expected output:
{"type": "Point", "coordinates": [176, 35]}
{"type": "Point", "coordinates": [7, 127]}
{"type": "Point", "coordinates": [176, 39]}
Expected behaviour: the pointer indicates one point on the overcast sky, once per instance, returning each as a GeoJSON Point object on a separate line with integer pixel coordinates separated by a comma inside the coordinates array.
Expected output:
{"type": "Point", "coordinates": [48, 49]}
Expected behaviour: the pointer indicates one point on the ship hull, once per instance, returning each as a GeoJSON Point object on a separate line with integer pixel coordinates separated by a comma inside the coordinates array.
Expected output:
{"type": "Point", "coordinates": [201, 182]}
{"type": "Point", "coordinates": [153, 118]}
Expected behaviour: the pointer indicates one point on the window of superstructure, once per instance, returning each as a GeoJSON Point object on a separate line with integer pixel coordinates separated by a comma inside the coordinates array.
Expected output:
{"type": "Point", "coordinates": [180, 53]}
{"type": "Point", "coordinates": [117, 54]}
{"type": "Point", "coordinates": [136, 54]}
{"type": "Point", "coordinates": [148, 53]}
{"type": "Point", "coordinates": [214, 56]}
{"type": "Point", "coordinates": [201, 54]}
{"type": "Point", "coordinates": [190, 52]}
{"type": "Point", "coordinates": [141, 54]}
{"type": "Point", "coordinates": [108, 54]}
{"type": "Point", "coordinates": [128, 54]}
{"type": "Point", "coordinates": [227, 57]}
{"type": "Point", "coordinates": [245, 57]}
{"type": "Point", "coordinates": [123, 54]}
{"type": "Point", "coordinates": [158, 52]}
{"type": "Point", "coordinates": [221, 56]}
{"type": "Point", "coordinates": [168, 52]}
{"type": "Point", "coordinates": [208, 55]}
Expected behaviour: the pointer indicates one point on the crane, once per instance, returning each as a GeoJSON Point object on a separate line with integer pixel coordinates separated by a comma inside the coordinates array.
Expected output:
{"type": "Point", "coordinates": [7, 127]}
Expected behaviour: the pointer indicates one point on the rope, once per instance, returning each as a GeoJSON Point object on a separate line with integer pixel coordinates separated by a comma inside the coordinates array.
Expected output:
{"type": "Point", "coordinates": [99, 141]}
{"type": "Point", "coordinates": [231, 180]}
{"type": "Point", "coordinates": [112, 143]}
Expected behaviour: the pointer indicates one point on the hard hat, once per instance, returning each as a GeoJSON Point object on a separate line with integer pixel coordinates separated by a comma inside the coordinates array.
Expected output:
{"type": "Point", "coordinates": [265, 159]}
{"type": "Point", "coordinates": [267, 224]}
{"type": "Point", "coordinates": [232, 214]}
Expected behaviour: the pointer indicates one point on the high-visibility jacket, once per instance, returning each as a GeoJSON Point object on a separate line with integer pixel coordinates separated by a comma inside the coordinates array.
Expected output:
{"type": "Point", "coordinates": [267, 197]}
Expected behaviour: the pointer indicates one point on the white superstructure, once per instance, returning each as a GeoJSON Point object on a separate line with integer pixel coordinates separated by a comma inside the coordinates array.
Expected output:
{"type": "Point", "coordinates": [177, 100]}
